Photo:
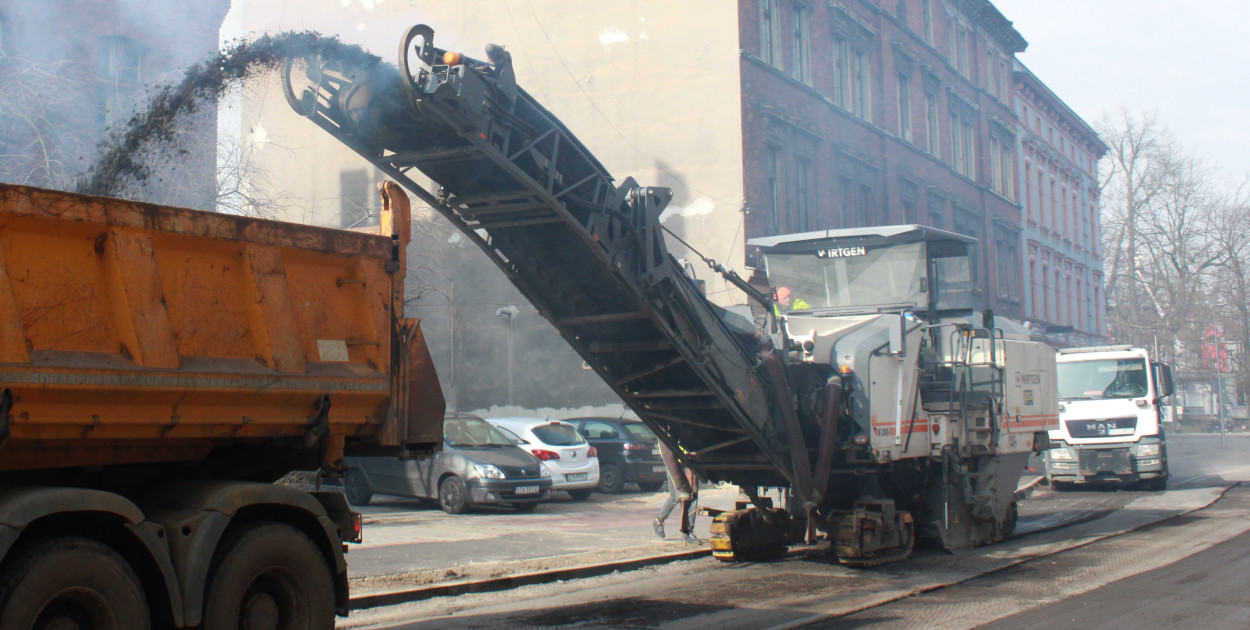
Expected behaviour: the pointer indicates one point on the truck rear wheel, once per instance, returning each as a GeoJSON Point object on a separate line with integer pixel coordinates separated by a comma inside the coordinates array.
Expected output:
{"type": "Point", "coordinates": [269, 576]}
{"type": "Point", "coordinates": [71, 583]}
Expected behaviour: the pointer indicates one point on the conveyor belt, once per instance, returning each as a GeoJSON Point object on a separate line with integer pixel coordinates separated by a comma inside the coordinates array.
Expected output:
{"type": "Point", "coordinates": [590, 255]}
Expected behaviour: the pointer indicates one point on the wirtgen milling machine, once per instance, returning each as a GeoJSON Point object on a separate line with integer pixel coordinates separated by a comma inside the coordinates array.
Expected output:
{"type": "Point", "coordinates": [880, 409]}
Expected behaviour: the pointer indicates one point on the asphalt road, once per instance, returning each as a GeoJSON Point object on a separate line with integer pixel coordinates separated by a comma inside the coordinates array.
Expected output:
{"type": "Point", "coordinates": [1090, 534]}
{"type": "Point", "coordinates": [1206, 590]}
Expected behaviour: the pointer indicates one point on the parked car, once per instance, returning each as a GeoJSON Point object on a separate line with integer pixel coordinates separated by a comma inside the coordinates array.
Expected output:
{"type": "Point", "coordinates": [477, 465]}
{"type": "Point", "coordinates": [572, 462]}
{"type": "Point", "coordinates": [628, 453]}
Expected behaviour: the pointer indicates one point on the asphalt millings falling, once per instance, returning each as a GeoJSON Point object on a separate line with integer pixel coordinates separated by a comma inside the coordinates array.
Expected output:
{"type": "Point", "coordinates": [126, 155]}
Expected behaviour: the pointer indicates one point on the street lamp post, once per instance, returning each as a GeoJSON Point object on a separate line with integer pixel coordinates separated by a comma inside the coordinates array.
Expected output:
{"type": "Point", "coordinates": [508, 314]}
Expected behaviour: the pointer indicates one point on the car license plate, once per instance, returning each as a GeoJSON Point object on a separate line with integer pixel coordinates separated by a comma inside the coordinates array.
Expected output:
{"type": "Point", "coordinates": [657, 469]}
{"type": "Point", "coordinates": [575, 477]}
{"type": "Point", "coordinates": [527, 489]}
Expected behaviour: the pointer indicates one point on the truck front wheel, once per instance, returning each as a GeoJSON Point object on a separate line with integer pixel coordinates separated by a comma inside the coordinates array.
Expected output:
{"type": "Point", "coordinates": [71, 582]}
{"type": "Point", "coordinates": [270, 576]}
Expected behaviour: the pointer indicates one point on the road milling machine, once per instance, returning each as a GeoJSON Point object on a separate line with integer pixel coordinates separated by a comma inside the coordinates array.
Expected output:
{"type": "Point", "coordinates": [877, 413]}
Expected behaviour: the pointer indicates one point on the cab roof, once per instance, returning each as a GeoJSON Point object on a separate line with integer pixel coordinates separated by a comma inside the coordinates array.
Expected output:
{"type": "Point", "coordinates": [899, 233]}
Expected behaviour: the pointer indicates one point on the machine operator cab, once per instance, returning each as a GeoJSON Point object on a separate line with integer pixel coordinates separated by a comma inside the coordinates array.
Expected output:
{"type": "Point", "coordinates": [858, 271]}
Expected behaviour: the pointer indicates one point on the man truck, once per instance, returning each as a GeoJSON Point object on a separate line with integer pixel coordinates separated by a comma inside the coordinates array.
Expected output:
{"type": "Point", "coordinates": [1111, 419]}
{"type": "Point", "coordinates": [884, 409]}
{"type": "Point", "coordinates": [159, 368]}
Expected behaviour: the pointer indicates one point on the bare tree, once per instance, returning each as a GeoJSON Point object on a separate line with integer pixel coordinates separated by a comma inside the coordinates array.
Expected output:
{"type": "Point", "coordinates": [1232, 290]}
{"type": "Point", "coordinates": [1168, 237]}
{"type": "Point", "coordinates": [43, 134]}
{"type": "Point", "coordinates": [243, 187]}
{"type": "Point", "coordinates": [1139, 161]}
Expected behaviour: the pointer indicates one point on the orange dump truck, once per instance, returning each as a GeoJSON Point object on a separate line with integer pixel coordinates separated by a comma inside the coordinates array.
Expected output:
{"type": "Point", "coordinates": [159, 369]}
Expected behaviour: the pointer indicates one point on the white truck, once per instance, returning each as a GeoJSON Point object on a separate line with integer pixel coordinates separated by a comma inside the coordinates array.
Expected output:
{"type": "Point", "coordinates": [1110, 413]}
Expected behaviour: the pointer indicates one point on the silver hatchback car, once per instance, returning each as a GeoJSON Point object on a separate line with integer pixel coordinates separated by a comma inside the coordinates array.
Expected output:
{"type": "Point", "coordinates": [477, 465]}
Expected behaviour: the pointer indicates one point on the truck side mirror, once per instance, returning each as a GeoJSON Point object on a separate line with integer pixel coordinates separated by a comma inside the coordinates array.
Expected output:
{"type": "Point", "coordinates": [1163, 380]}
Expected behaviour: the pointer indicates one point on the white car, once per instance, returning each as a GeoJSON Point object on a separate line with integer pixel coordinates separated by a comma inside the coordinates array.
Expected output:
{"type": "Point", "coordinates": [572, 462]}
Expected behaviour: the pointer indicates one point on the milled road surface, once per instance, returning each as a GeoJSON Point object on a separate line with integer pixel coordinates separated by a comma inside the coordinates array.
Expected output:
{"type": "Point", "coordinates": [933, 589]}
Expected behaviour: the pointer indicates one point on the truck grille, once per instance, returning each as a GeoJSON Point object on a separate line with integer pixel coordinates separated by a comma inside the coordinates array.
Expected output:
{"type": "Point", "coordinates": [1111, 427]}
{"type": "Point", "coordinates": [1116, 461]}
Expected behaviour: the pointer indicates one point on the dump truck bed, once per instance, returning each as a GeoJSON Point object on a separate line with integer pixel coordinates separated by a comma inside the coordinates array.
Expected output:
{"type": "Point", "coordinates": [137, 333]}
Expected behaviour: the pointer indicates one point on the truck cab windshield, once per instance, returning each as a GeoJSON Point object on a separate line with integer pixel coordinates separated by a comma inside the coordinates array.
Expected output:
{"type": "Point", "coordinates": [851, 276]}
{"type": "Point", "coordinates": [1101, 379]}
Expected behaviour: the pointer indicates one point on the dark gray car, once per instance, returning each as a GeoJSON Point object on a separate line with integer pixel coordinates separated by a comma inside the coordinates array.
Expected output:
{"type": "Point", "coordinates": [476, 465]}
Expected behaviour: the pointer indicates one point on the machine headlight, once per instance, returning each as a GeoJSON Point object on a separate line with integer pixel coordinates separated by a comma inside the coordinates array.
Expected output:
{"type": "Point", "coordinates": [543, 472]}
{"type": "Point", "coordinates": [1146, 450]}
{"type": "Point", "coordinates": [1061, 453]}
{"type": "Point", "coordinates": [488, 471]}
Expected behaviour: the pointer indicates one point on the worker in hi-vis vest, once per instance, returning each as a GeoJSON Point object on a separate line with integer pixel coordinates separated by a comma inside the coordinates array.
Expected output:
{"type": "Point", "coordinates": [787, 300]}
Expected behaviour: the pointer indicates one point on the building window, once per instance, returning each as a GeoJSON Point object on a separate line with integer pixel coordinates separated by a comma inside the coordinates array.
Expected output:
{"type": "Point", "coordinates": [1004, 74]}
{"type": "Point", "coordinates": [1029, 210]}
{"type": "Point", "coordinates": [968, 224]}
{"type": "Point", "coordinates": [900, 9]}
{"type": "Point", "coordinates": [841, 73]}
{"type": "Point", "coordinates": [769, 20]}
{"type": "Point", "coordinates": [1002, 167]}
{"type": "Point", "coordinates": [926, 9]}
{"type": "Point", "coordinates": [969, 141]}
{"type": "Point", "coordinates": [1059, 309]}
{"type": "Point", "coordinates": [1008, 263]}
{"type": "Point", "coordinates": [932, 121]}
{"type": "Point", "coordinates": [963, 138]}
{"type": "Point", "coordinates": [904, 107]}
{"type": "Point", "coordinates": [802, 43]}
{"type": "Point", "coordinates": [1033, 306]}
{"type": "Point", "coordinates": [1052, 208]}
{"type": "Point", "coordinates": [952, 38]}
{"type": "Point", "coordinates": [1045, 308]}
{"type": "Point", "coordinates": [937, 210]}
{"type": "Point", "coordinates": [857, 199]}
{"type": "Point", "coordinates": [861, 100]}
{"type": "Point", "coordinates": [1080, 306]}
{"type": "Point", "coordinates": [800, 216]}
{"type": "Point", "coordinates": [773, 166]}
{"type": "Point", "coordinates": [120, 59]}
{"type": "Point", "coordinates": [1008, 164]}
{"type": "Point", "coordinates": [961, 51]}
{"type": "Point", "coordinates": [996, 173]}
{"type": "Point", "coordinates": [908, 193]}
{"type": "Point", "coordinates": [119, 64]}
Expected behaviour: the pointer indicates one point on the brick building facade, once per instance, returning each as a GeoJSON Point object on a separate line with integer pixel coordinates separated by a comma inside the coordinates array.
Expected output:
{"type": "Point", "coordinates": [1060, 196]}
{"type": "Point", "coordinates": [870, 112]}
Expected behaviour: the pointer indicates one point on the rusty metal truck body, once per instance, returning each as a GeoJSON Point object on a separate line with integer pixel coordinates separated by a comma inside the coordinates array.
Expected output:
{"type": "Point", "coordinates": [159, 369]}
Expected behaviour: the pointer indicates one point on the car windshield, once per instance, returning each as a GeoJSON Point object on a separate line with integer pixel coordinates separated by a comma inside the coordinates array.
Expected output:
{"type": "Point", "coordinates": [472, 432]}
{"type": "Point", "coordinates": [516, 439]}
{"type": "Point", "coordinates": [1102, 378]}
{"type": "Point", "coordinates": [558, 435]}
{"type": "Point", "coordinates": [639, 431]}
{"type": "Point", "coordinates": [849, 276]}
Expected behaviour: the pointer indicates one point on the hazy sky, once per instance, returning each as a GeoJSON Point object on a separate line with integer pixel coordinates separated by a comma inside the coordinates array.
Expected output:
{"type": "Point", "coordinates": [1185, 60]}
